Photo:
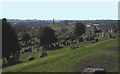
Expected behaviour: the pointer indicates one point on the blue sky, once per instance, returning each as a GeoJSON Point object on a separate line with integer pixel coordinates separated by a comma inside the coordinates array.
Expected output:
{"type": "Point", "coordinates": [60, 10]}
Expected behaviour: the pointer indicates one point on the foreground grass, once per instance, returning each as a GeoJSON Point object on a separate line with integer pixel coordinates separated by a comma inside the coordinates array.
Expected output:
{"type": "Point", "coordinates": [65, 59]}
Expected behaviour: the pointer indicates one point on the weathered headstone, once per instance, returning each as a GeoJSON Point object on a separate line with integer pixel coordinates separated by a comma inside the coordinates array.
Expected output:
{"type": "Point", "coordinates": [102, 34]}
{"type": "Point", "coordinates": [90, 70]}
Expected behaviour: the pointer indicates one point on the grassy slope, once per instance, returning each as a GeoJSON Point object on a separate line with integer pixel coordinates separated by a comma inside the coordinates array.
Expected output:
{"type": "Point", "coordinates": [57, 26]}
{"type": "Point", "coordinates": [63, 60]}
{"type": "Point", "coordinates": [54, 26]}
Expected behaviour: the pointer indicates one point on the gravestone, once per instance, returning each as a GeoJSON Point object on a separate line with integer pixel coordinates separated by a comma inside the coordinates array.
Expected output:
{"type": "Point", "coordinates": [90, 70]}
{"type": "Point", "coordinates": [102, 35]}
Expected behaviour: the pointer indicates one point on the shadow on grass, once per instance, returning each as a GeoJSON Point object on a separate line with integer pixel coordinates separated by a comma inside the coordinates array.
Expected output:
{"type": "Point", "coordinates": [10, 64]}
{"type": "Point", "coordinates": [55, 48]}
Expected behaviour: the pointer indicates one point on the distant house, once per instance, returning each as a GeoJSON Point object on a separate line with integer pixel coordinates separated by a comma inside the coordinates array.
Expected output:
{"type": "Point", "coordinates": [33, 27]}
{"type": "Point", "coordinates": [95, 24]}
{"type": "Point", "coordinates": [88, 25]}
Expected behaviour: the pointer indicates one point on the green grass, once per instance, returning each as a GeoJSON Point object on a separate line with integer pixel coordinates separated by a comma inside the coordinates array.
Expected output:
{"type": "Point", "coordinates": [57, 26]}
{"type": "Point", "coordinates": [54, 26]}
{"type": "Point", "coordinates": [65, 59]}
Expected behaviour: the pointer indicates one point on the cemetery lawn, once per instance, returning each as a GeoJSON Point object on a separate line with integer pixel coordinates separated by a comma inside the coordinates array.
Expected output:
{"type": "Point", "coordinates": [53, 26]}
{"type": "Point", "coordinates": [71, 60]}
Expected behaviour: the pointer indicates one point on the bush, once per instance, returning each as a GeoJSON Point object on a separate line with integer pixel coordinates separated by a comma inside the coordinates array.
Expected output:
{"type": "Point", "coordinates": [43, 54]}
{"type": "Point", "coordinates": [90, 38]}
{"type": "Point", "coordinates": [81, 39]}
{"type": "Point", "coordinates": [96, 40]}
{"type": "Point", "coordinates": [31, 58]}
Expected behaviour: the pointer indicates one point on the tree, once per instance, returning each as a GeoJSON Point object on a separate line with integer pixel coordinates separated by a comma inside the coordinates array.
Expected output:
{"type": "Point", "coordinates": [10, 44]}
{"type": "Point", "coordinates": [21, 27]}
{"type": "Point", "coordinates": [26, 37]}
{"type": "Point", "coordinates": [66, 22]}
{"type": "Point", "coordinates": [79, 29]}
{"type": "Point", "coordinates": [34, 32]}
{"type": "Point", "coordinates": [47, 36]}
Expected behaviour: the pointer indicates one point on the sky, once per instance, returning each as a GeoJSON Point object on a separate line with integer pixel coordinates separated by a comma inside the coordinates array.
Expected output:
{"type": "Point", "coordinates": [61, 10]}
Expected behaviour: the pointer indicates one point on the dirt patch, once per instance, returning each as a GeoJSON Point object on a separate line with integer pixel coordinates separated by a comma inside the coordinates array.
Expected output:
{"type": "Point", "coordinates": [112, 48]}
{"type": "Point", "coordinates": [97, 62]}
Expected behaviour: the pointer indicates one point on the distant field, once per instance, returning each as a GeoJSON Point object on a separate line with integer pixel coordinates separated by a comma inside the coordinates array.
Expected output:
{"type": "Point", "coordinates": [58, 26]}
{"type": "Point", "coordinates": [54, 26]}
{"type": "Point", "coordinates": [103, 54]}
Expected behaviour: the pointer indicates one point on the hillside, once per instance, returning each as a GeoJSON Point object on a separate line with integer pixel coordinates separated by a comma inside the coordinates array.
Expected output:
{"type": "Point", "coordinates": [103, 54]}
